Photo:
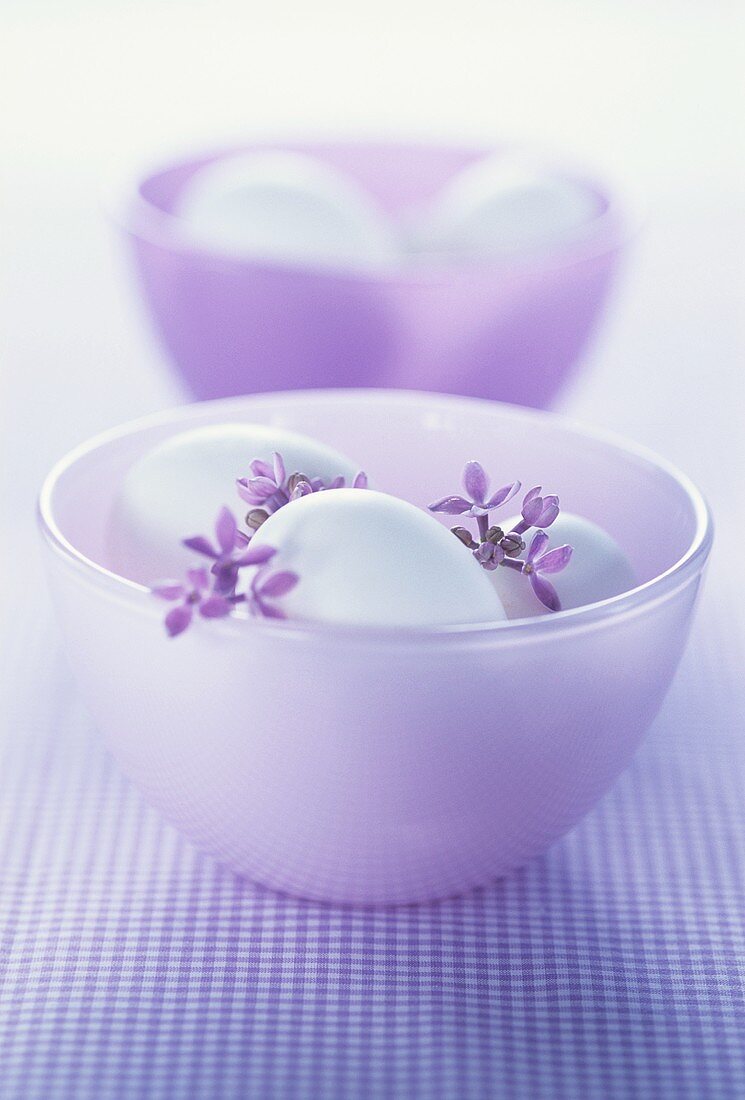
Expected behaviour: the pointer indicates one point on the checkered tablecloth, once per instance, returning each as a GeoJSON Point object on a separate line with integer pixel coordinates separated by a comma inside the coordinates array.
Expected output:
{"type": "Point", "coordinates": [130, 965]}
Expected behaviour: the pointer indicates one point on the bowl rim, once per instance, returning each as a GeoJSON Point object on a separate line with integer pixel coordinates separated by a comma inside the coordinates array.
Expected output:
{"type": "Point", "coordinates": [573, 619]}
{"type": "Point", "coordinates": [619, 221]}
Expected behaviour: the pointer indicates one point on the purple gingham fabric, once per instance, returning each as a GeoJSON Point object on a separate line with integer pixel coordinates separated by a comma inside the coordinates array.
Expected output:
{"type": "Point", "coordinates": [132, 966]}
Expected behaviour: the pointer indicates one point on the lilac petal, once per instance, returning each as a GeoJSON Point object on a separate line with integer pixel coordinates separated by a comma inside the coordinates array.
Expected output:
{"type": "Point", "coordinates": [246, 493]}
{"type": "Point", "coordinates": [451, 506]}
{"type": "Point", "coordinates": [259, 468]}
{"type": "Point", "coordinates": [532, 494]}
{"type": "Point", "coordinates": [475, 481]}
{"type": "Point", "coordinates": [502, 495]}
{"type": "Point", "coordinates": [242, 539]}
{"type": "Point", "coordinates": [198, 579]}
{"type": "Point", "coordinates": [215, 607]}
{"type": "Point", "coordinates": [360, 480]}
{"type": "Point", "coordinates": [201, 545]}
{"type": "Point", "coordinates": [279, 469]}
{"type": "Point", "coordinates": [302, 489]}
{"type": "Point", "coordinates": [256, 555]}
{"type": "Point", "coordinates": [541, 510]}
{"type": "Point", "coordinates": [226, 576]}
{"type": "Point", "coordinates": [548, 514]}
{"type": "Point", "coordinates": [555, 560]}
{"type": "Point", "coordinates": [225, 530]}
{"type": "Point", "coordinates": [255, 490]}
{"type": "Point", "coordinates": [168, 590]}
{"type": "Point", "coordinates": [531, 512]}
{"type": "Point", "coordinates": [317, 484]}
{"type": "Point", "coordinates": [256, 500]}
{"type": "Point", "coordinates": [337, 482]}
{"type": "Point", "coordinates": [489, 554]}
{"type": "Point", "coordinates": [177, 620]}
{"type": "Point", "coordinates": [268, 611]}
{"type": "Point", "coordinates": [262, 486]}
{"type": "Point", "coordinates": [545, 592]}
{"type": "Point", "coordinates": [278, 584]}
{"type": "Point", "coordinates": [537, 546]}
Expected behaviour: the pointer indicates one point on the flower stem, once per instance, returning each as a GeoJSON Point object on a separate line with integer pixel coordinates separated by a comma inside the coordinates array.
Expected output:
{"type": "Point", "coordinates": [513, 563]}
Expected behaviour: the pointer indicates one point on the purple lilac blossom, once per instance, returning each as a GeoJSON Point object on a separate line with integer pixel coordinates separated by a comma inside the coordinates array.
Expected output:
{"type": "Point", "coordinates": [213, 594]}
{"type": "Point", "coordinates": [489, 554]}
{"type": "Point", "coordinates": [538, 563]}
{"type": "Point", "coordinates": [266, 488]}
{"type": "Point", "coordinates": [230, 555]}
{"type": "Point", "coordinates": [537, 511]}
{"type": "Point", "coordinates": [194, 593]}
{"type": "Point", "coordinates": [476, 484]}
{"type": "Point", "coordinates": [266, 586]}
{"type": "Point", "coordinates": [493, 547]}
{"type": "Point", "coordinates": [270, 488]}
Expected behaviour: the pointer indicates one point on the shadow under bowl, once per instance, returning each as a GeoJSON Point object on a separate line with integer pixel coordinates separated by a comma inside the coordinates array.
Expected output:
{"type": "Point", "coordinates": [365, 765]}
{"type": "Point", "coordinates": [511, 329]}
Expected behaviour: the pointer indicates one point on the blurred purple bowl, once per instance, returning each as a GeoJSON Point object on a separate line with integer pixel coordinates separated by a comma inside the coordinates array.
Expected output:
{"type": "Point", "coordinates": [512, 329]}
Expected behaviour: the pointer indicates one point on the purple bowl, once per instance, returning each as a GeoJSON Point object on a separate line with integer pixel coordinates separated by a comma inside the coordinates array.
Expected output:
{"type": "Point", "coordinates": [368, 765]}
{"type": "Point", "coordinates": [511, 329]}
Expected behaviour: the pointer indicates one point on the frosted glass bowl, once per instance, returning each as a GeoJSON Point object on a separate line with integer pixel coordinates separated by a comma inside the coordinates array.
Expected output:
{"type": "Point", "coordinates": [366, 765]}
{"type": "Point", "coordinates": [513, 329]}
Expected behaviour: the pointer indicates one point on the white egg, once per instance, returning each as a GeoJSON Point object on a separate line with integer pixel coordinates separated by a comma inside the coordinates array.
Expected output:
{"type": "Point", "coordinates": [176, 490]}
{"type": "Point", "coordinates": [367, 558]}
{"type": "Point", "coordinates": [285, 208]}
{"type": "Point", "coordinates": [504, 204]}
{"type": "Point", "coordinates": [597, 570]}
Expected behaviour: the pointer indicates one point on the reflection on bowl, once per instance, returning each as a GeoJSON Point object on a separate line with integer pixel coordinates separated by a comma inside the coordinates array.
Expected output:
{"type": "Point", "coordinates": [510, 328]}
{"type": "Point", "coordinates": [368, 765]}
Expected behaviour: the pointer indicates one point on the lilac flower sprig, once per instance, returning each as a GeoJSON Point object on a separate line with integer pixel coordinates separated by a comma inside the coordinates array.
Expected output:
{"type": "Point", "coordinates": [537, 511]}
{"type": "Point", "coordinates": [230, 555]}
{"type": "Point", "coordinates": [214, 593]}
{"type": "Point", "coordinates": [538, 563]}
{"type": "Point", "coordinates": [494, 547]}
{"type": "Point", "coordinates": [195, 594]}
{"type": "Point", "coordinates": [266, 487]}
{"type": "Point", "coordinates": [477, 504]}
{"type": "Point", "coordinates": [269, 487]}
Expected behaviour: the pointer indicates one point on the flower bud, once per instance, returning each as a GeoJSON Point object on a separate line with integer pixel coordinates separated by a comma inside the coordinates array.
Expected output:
{"type": "Point", "coordinates": [295, 481]}
{"type": "Point", "coordinates": [465, 537]}
{"type": "Point", "coordinates": [512, 544]}
{"type": "Point", "coordinates": [255, 518]}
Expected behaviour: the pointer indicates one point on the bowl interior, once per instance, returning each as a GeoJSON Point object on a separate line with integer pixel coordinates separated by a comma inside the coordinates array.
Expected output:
{"type": "Point", "coordinates": [396, 175]}
{"type": "Point", "coordinates": [415, 445]}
